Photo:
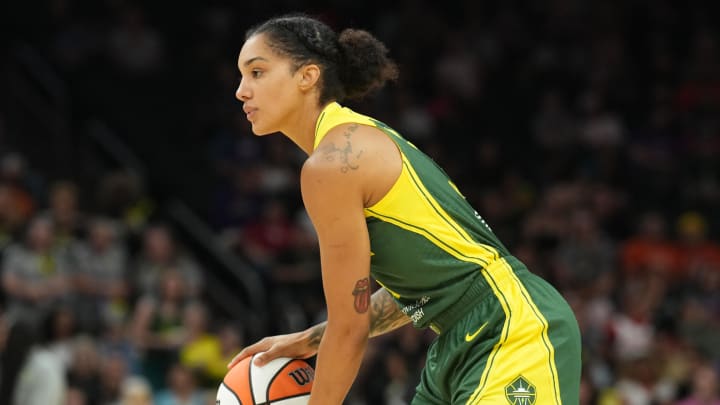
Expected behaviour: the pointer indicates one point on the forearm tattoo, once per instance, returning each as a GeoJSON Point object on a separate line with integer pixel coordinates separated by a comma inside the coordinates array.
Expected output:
{"type": "Point", "coordinates": [316, 334]}
{"type": "Point", "coordinates": [361, 292]}
{"type": "Point", "coordinates": [348, 158]}
{"type": "Point", "coordinates": [385, 315]}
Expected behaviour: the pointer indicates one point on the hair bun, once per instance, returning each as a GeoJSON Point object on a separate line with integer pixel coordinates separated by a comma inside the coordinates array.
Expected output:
{"type": "Point", "coordinates": [364, 65]}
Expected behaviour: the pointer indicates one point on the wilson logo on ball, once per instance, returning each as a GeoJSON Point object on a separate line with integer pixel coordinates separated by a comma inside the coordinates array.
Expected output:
{"type": "Point", "coordinates": [282, 381]}
{"type": "Point", "coordinates": [303, 375]}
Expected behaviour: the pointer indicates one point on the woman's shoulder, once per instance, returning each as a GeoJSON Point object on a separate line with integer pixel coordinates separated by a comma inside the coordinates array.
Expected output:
{"type": "Point", "coordinates": [346, 147]}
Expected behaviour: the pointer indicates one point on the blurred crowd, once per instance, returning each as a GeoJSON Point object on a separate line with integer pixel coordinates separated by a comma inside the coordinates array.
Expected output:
{"type": "Point", "coordinates": [98, 310]}
{"type": "Point", "coordinates": [586, 133]}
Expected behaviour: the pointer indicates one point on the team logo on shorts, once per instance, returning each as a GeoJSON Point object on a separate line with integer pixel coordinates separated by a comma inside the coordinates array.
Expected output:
{"type": "Point", "coordinates": [520, 392]}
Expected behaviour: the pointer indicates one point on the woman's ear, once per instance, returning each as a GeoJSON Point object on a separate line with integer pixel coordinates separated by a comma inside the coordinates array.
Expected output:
{"type": "Point", "coordinates": [308, 76]}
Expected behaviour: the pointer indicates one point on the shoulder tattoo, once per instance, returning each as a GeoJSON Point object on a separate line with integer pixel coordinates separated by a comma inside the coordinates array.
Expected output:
{"type": "Point", "coordinates": [346, 155]}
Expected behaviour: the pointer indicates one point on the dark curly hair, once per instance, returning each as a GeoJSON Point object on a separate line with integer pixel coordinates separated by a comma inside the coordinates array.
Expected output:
{"type": "Point", "coordinates": [353, 63]}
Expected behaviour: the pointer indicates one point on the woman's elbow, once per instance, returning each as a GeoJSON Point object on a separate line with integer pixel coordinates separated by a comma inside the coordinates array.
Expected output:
{"type": "Point", "coordinates": [351, 333]}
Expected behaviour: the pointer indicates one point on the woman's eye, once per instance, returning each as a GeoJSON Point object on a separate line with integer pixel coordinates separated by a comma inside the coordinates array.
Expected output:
{"type": "Point", "coordinates": [256, 73]}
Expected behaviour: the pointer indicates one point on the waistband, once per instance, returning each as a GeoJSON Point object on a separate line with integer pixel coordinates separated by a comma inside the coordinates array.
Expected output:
{"type": "Point", "coordinates": [477, 292]}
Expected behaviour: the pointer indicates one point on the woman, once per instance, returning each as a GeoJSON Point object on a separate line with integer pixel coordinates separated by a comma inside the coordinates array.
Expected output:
{"type": "Point", "coordinates": [382, 208]}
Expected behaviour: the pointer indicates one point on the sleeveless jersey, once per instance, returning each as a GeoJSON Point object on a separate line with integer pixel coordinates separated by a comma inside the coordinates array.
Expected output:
{"type": "Point", "coordinates": [428, 245]}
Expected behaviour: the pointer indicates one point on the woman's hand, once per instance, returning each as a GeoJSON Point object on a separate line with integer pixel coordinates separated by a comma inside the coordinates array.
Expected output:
{"type": "Point", "coordinates": [299, 345]}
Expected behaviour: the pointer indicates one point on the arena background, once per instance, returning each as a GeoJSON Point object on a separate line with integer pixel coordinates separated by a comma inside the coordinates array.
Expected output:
{"type": "Point", "coordinates": [137, 209]}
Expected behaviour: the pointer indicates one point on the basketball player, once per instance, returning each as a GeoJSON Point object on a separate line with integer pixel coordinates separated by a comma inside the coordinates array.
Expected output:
{"type": "Point", "coordinates": [383, 208]}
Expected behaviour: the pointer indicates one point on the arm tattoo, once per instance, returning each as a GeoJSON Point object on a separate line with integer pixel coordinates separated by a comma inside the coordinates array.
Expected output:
{"type": "Point", "coordinates": [348, 158]}
{"type": "Point", "coordinates": [385, 315]}
{"type": "Point", "coordinates": [361, 292]}
{"type": "Point", "coordinates": [316, 335]}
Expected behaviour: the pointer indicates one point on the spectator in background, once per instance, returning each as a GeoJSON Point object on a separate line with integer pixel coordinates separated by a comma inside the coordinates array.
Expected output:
{"type": "Point", "coordinates": [698, 326]}
{"type": "Point", "coordinates": [232, 340]}
{"type": "Point", "coordinates": [83, 374]}
{"type": "Point", "coordinates": [638, 384]}
{"type": "Point", "coordinates": [181, 388]}
{"type": "Point", "coordinates": [157, 327]}
{"type": "Point", "coordinates": [267, 239]}
{"type": "Point", "coordinates": [631, 329]}
{"type": "Point", "coordinates": [586, 255]}
{"type": "Point", "coordinates": [201, 352]}
{"type": "Point", "coordinates": [35, 275]}
{"type": "Point", "coordinates": [121, 196]}
{"type": "Point", "coordinates": [101, 283]}
{"type": "Point", "coordinates": [600, 128]}
{"type": "Point", "coordinates": [135, 391]}
{"type": "Point", "coordinates": [113, 371]}
{"type": "Point", "coordinates": [160, 254]}
{"type": "Point", "coordinates": [116, 341]}
{"type": "Point", "coordinates": [64, 212]}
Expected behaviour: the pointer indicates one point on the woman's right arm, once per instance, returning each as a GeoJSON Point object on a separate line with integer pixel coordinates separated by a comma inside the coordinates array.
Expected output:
{"type": "Point", "coordinates": [385, 316]}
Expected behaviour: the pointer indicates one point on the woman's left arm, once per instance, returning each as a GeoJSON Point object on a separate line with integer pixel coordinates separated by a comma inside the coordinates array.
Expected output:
{"type": "Point", "coordinates": [332, 186]}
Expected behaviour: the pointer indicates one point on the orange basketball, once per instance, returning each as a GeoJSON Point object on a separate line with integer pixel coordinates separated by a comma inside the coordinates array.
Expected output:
{"type": "Point", "coordinates": [282, 381]}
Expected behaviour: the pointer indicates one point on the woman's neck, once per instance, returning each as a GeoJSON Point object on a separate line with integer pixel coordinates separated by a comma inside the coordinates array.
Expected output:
{"type": "Point", "coordinates": [302, 129]}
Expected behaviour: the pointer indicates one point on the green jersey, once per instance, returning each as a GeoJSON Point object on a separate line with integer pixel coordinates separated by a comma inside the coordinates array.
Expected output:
{"type": "Point", "coordinates": [505, 335]}
{"type": "Point", "coordinates": [428, 245]}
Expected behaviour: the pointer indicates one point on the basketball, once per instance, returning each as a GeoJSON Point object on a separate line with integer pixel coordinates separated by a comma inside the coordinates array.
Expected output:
{"type": "Point", "coordinates": [282, 381]}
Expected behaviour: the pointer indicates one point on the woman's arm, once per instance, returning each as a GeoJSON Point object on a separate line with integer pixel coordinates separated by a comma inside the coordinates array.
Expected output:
{"type": "Point", "coordinates": [385, 316]}
{"type": "Point", "coordinates": [338, 181]}
{"type": "Point", "coordinates": [331, 183]}
{"type": "Point", "coordinates": [353, 167]}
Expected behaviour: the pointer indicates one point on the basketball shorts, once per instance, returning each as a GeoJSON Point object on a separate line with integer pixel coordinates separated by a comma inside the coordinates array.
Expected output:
{"type": "Point", "coordinates": [518, 345]}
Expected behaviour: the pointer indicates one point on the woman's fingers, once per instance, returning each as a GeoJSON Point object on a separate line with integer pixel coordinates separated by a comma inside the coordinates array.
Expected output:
{"type": "Point", "coordinates": [261, 346]}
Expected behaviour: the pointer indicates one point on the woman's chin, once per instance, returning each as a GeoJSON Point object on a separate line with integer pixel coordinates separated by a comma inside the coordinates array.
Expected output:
{"type": "Point", "coordinates": [260, 131]}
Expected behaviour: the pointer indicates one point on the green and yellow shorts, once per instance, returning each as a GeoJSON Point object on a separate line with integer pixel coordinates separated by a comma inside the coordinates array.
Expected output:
{"type": "Point", "coordinates": [518, 344]}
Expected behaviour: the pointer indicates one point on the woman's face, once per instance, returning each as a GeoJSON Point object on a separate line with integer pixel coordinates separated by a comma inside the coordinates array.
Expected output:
{"type": "Point", "coordinates": [268, 88]}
